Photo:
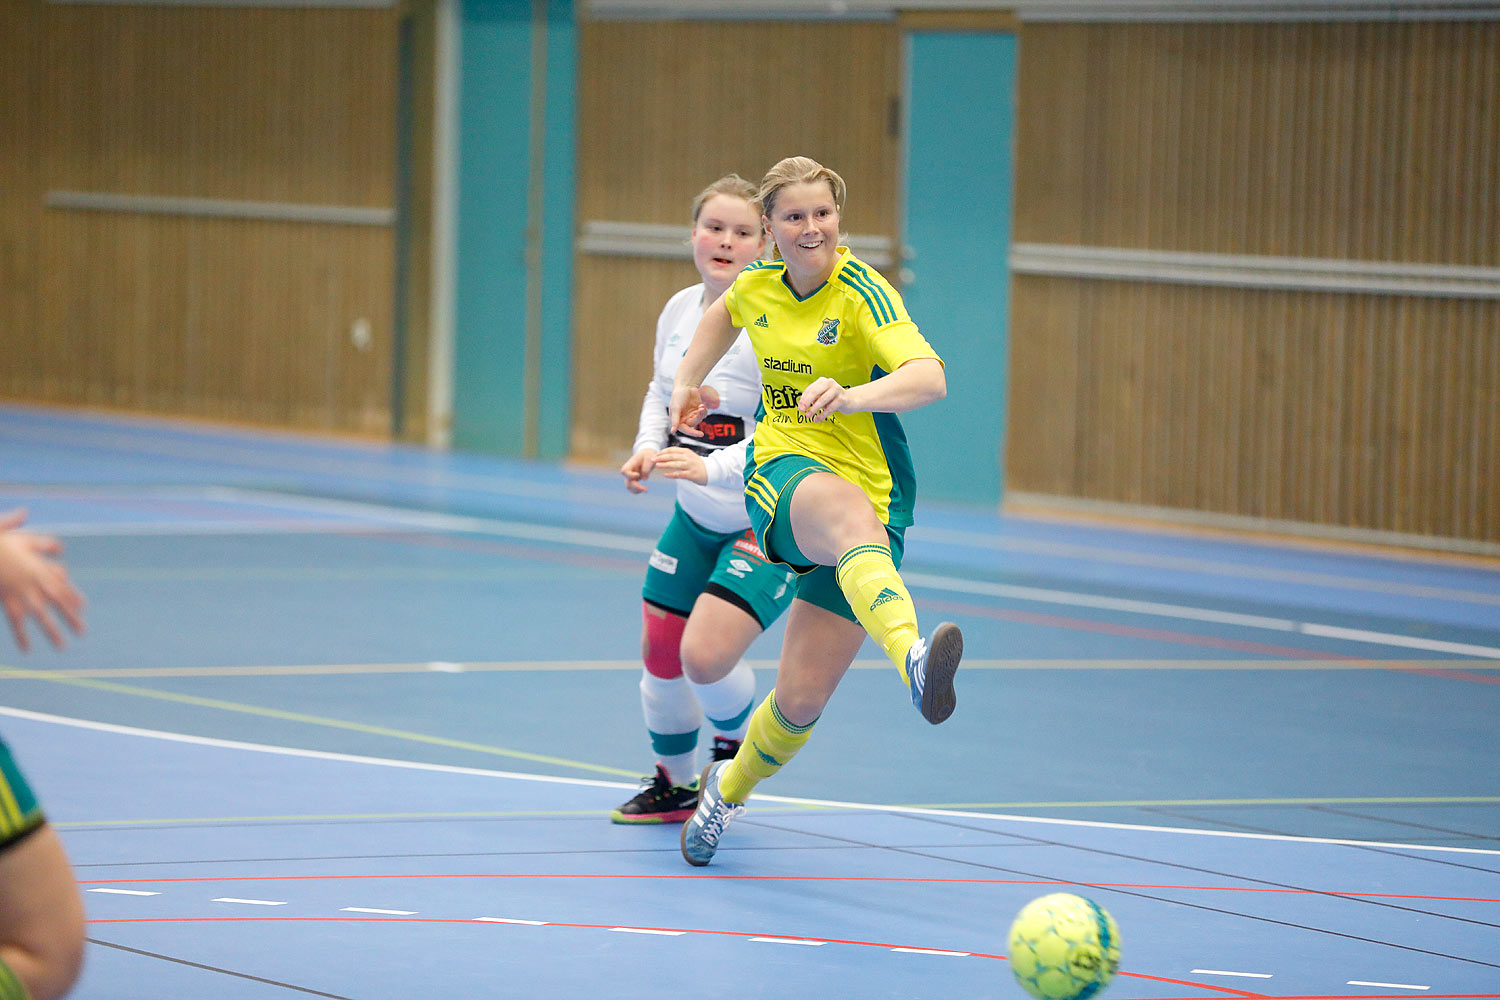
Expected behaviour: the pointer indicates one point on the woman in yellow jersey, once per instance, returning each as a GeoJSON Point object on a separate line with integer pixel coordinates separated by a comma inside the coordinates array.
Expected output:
{"type": "Point", "coordinates": [41, 915]}
{"type": "Point", "coordinates": [829, 483]}
{"type": "Point", "coordinates": [709, 592]}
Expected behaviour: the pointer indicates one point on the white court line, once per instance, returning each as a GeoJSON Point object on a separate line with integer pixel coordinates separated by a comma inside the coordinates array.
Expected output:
{"type": "Point", "coordinates": [253, 455]}
{"type": "Point", "coordinates": [250, 902]}
{"type": "Point", "coordinates": [775, 940]}
{"type": "Point", "coordinates": [126, 892]}
{"type": "Point", "coordinates": [109, 727]}
{"type": "Point", "coordinates": [647, 930]}
{"type": "Point", "coordinates": [510, 920]}
{"type": "Point", "coordinates": [1221, 972]}
{"type": "Point", "coordinates": [933, 951]}
{"type": "Point", "coordinates": [1204, 567]}
{"type": "Point", "coordinates": [1389, 986]}
{"type": "Point", "coordinates": [615, 542]}
{"type": "Point", "coordinates": [388, 913]}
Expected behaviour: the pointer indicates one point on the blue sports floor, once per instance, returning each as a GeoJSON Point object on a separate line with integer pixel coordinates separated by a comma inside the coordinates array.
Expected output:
{"type": "Point", "coordinates": [349, 720]}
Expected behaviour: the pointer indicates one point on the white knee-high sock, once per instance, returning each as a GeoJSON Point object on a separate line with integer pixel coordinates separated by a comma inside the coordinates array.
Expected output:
{"type": "Point", "coordinates": [672, 718]}
{"type": "Point", "coordinates": [727, 702]}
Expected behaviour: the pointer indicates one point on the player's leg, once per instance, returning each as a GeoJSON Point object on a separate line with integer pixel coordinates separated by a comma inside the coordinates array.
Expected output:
{"type": "Point", "coordinates": [713, 647]}
{"type": "Point", "coordinates": [816, 652]}
{"type": "Point", "coordinates": [676, 574]}
{"type": "Point", "coordinates": [41, 919]}
{"type": "Point", "coordinates": [833, 524]}
{"type": "Point", "coordinates": [745, 594]}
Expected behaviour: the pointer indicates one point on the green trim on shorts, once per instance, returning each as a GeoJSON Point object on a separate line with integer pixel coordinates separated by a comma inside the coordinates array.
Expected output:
{"type": "Point", "coordinates": [690, 560]}
{"type": "Point", "coordinates": [768, 489]}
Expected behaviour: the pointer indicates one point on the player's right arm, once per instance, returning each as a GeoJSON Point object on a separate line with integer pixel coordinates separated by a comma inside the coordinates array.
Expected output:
{"type": "Point", "coordinates": [691, 400]}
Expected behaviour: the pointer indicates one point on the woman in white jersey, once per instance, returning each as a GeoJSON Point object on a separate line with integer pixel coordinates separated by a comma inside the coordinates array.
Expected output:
{"type": "Point", "coordinates": [829, 481]}
{"type": "Point", "coordinates": [708, 591]}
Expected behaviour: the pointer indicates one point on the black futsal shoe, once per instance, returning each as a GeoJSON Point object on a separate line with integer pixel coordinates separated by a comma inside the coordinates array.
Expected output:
{"type": "Point", "coordinates": [658, 801]}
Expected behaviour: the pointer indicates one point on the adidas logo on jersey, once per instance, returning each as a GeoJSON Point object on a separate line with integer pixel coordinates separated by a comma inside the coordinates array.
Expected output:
{"type": "Point", "coordinates": [762, 322]}
{"type": "Point", "coordinates": [885, 597]}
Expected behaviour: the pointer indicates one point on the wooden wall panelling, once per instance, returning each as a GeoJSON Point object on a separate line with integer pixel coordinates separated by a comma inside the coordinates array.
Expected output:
{"type": "Point", "coordinates": [625, 297]}
{"type": "Point", "coordinates": [20, 194]}
{"type": "Point", "coordinates": [1371, 142]}
{"type": "Point", "coordinates": [236, 319]}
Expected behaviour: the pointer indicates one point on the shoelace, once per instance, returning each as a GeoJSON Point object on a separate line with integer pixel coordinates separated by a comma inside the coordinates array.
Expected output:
{"type": "Point", "coordinates": [657, 785]}
{"type": "Point", "coordinates": [718, 818]}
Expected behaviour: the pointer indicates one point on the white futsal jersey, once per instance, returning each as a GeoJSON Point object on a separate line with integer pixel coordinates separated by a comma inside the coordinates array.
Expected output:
{"type": "Point", "coordinates": [719, 506]}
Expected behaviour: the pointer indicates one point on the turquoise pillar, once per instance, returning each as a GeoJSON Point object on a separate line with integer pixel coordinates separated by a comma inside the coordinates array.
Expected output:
{"type": "Point", "coordinates": [514, 226]}
{"type": "Point", "coordinates": [960, 90]}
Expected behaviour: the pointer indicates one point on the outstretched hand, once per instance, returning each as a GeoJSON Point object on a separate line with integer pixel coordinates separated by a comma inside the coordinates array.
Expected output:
{"type": "Point", "coordinates": [637, 469]}
{"type": "Point", "coordinates": [34, 584]}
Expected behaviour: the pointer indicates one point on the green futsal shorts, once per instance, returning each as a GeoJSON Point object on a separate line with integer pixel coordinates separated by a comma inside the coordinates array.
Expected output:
{"type": "Point", "coordinates": [768, 494]}
{"type": "Point", "coordinates": [20, 814]}
{"type": "Point", "coordinates": [689, 560]}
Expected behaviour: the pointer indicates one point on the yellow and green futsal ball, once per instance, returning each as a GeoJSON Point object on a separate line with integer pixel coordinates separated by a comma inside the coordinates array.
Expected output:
{"type": "Point", "coordinates": [1064, 947]}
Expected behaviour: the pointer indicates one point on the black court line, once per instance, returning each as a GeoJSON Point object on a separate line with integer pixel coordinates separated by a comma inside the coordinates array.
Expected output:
{"type": "Point", "coordinates": [1238, 877]}
{"type": "Point", "coordinates": [1406, 823]}
{"type": "Point", "coordinates": [1395, 852]}
{"type": "Point", "coordinates": [215, 968]}
{"type": "Point", "coordinates": [1164, 899]}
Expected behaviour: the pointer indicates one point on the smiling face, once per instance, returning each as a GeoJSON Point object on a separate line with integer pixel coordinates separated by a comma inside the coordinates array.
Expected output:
{"type": "Point", "coordinates": [804, 222]}
{"type": "Point", "coordinates": [726, 239]}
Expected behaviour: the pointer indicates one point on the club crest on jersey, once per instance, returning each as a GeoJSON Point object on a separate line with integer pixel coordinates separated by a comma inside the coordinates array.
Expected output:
{"type": "Point", "coordinates": [828, 333]}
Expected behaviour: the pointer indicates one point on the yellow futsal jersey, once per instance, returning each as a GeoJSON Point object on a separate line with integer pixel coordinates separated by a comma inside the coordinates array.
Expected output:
{"type": "Point", "coordinates": [853, 329]}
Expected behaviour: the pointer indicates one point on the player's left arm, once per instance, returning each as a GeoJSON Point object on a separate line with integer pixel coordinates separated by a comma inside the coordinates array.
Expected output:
{"type": "Point", "coordinates": [913, 385]}
{"type": "Point", "coordinates": [915, 376]}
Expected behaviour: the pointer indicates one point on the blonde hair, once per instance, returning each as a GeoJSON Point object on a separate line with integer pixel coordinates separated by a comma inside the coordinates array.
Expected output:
{"type": "Point", "coordinates": [798, 170]}
{"type": "Point", "coordinates": [733, 185]}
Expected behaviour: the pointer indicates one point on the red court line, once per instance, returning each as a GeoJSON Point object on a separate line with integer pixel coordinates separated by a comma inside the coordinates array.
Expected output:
{"type": "Point", "coordinates": [794, 878]}
{"type": "Point", "coordinates": [1136, 632]}
{"type": "Point", "coordinates": [524, 551]}
{"type": "Point", "coordinates": [1243, 994]}
{"type": "Point", "coordinates": [1472, 676]}
{"type": "Point", "coordinates": [514, 550]}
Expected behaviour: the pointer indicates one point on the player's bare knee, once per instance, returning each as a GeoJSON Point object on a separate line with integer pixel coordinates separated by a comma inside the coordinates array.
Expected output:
{"type": "Point", "coordinates": [704, 659]}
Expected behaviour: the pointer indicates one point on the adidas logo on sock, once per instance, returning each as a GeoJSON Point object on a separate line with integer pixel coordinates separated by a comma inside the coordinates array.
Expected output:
{"type": "Point", "coordinates": [884, 597]}
{"type": "Point", "coordinates": [762, 322]}
{"type": "Point", "coordinates": [765, 756]}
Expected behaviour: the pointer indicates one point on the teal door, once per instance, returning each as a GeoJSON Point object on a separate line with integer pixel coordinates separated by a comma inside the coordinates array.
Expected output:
{"type": "Point", "coordinates": [960, 100]}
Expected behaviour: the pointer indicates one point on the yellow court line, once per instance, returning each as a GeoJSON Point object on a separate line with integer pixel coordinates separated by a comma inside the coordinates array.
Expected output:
{"type": "Point", "coordinates": [1145, 803]}
{"type": "Point", "coordinates": [318, 818]}
{"type": "Point", "coordinates": [58, 677]}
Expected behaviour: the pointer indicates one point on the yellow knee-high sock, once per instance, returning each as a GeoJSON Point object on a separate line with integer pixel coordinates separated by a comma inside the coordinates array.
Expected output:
{"type": "Point", "coordinates": [868, 578]}
{"type": "Point", "coordinates": [770, 743]}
